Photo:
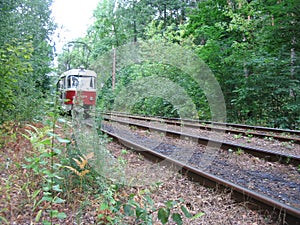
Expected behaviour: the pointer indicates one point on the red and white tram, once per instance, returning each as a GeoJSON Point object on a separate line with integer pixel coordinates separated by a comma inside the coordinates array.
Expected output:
{"type": "Point", "coordinates": [77, 87]}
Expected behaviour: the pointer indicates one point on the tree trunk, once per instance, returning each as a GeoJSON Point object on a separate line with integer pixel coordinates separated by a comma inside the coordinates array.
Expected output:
{"type": "Point", "coordinates": [113, 69]}
{"type": "Point", "coordinates": [293, 65]}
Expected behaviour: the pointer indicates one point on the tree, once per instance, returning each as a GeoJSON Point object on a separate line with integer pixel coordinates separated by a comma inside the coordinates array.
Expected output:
{"type": "Point", "coordinates": [257, 71]}
{"type": "Point", "coordinates": [26, 55]}
{"type": "Point", "coordinates": [75, 54]}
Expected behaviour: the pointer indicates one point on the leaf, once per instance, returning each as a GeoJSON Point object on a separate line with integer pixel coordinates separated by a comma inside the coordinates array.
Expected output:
{"type": "Point", "coordinates": [54, 213]}
{"type": "Point", "coordinates": [57, 188]}
{"type": "Point", "coordinates": [62, 140]}
{"type": "Point", "coordinates": [198, 215]}
{"type": "Point", "coordinates": [47, 198]}
{"type": "Point", "coordinates": [37, 204]}
{"type": "Point", "coordinates": [46, 141]}
{"type": "Point", "coordinates": [61, 215]}
{"type": "Point", "coordinates": [82, 163]}
{"type": "Point", "coordinates": [104, 206]}
{"type": "Point", "coordinates": [35, 193]}
{"type": "Point", "coordinates": [57, 151]}
{"type": "Point", "coordinates": [139, 211]}
{"type": "Point", "coordinates": [89, 156]}
{"type": "Point", "coordinates": [186, 212]}
{"type": "Point", "coordinates": [46, 222]}
{"type": "Point", "coordinates": [38, 216]}
{"type": "Point", "coordinates": [58, 200]}
{"type": "Point", "coordinates": [163, 215]}
{"type": "Point", "coordinates": [170, 203]}
{"type": "Point", "coordinates": [128, 210]}
{"type": "Point", "coordinates": [84, 173]}
{"type": "Point", "coordinates": [61, 120]}
{"type": "Point", "coordinates": [177, 218]}
{"type": "Point", "coordinates": [72, 169]}
{"type": "Point", "coordinates": [149, 200]}
{"type": "Point", "coordinates": [51, 134]}
{"type": "Point", "coordinates": [78, 163]}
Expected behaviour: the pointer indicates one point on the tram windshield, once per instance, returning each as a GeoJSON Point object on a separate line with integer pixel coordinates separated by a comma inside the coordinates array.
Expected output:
{"type": "Point", "coordinates": [82, 82]}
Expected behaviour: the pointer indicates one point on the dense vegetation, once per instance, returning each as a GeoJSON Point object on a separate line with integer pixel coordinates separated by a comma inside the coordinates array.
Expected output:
{"type": "Point", "coordinates": [46, 176]}
{"type": "Point", "coordinates": [25, 57]}
{"type": "Point", "coordinates": [252, 48]}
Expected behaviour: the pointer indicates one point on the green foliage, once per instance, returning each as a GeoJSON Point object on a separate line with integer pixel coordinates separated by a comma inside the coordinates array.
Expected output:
{"type": "Point", "coordinates": [44, 162]}
{"type": "Point", "coordinates": [139, 208]}
{"type": "Point", "coordinates": [75, 54]}
{"type": "Point", "coordinates": [257, 72]}
{"type": "Point", "coordinates": [14, 66]}
{"type": "Point", "coordinates": [25, 56]}
{"type": "Point", "coordinates": [155, 105]}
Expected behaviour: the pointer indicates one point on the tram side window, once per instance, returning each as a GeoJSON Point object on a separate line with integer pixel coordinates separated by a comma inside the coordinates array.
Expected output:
{"type": "Point", "coordinates": [69, 82]}
{"type": "Point", "coordinates": [92, 82]}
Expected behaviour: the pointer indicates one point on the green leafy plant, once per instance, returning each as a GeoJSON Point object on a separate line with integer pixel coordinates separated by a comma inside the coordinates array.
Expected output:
{"type": "Point", "coordinates": [139, 208]}
{"type": "Point", "coordinates": [237, 136]}
{"type": "Point", "coordinates": [124, 151]}
{"type": "Point", "coordinates": [239, 151]}
{"type": "Point", "coordinates": [164, 213]}
{"type": "Point", "coordinates": [42, 163]}
{"type": "Point", "coordinates": [249, 135]}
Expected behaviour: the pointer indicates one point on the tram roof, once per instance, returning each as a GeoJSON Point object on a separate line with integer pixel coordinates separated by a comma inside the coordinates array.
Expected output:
{"type": "Point", "coordinates": [80, 72]}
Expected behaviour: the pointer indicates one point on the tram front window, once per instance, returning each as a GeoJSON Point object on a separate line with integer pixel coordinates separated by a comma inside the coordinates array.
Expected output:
{"type": "Point", "coordinates": [72, 82]}
{"type": "Point", "coordinates": [75, 82]}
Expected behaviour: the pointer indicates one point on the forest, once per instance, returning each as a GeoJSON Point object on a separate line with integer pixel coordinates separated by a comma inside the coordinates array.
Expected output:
{"type": "Point", "coordinates": [251, 47]}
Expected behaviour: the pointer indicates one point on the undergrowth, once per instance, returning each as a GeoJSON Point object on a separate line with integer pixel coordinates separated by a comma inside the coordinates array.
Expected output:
{"type": "Point", "coordinates": [48, 179]}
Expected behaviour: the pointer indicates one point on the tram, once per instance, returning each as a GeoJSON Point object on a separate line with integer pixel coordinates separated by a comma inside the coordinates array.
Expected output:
{"type": "Point", "coordinates": [77, 87]}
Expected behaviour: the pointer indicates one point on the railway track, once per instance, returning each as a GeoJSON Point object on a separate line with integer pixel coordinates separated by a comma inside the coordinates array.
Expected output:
{"type": "Point", "coordinates": [269, 155]}
{"type": "Point", "coordinates": [256, 131]}
{"type": "Point", "coordinates": [287, 213]}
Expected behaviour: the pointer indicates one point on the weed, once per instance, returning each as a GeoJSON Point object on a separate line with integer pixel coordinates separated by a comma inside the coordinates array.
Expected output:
{"type": "Point", "coordinates": [133, 128]}
{"type": "Point", "coordinates": [237, 136]}
{"type": "Point", "coordinates": [250, 135]}
{"type": "Point", "coordinates": [42, 164]}
{"type": "Point", "coordinates": [122, 161]}
{"type": "Point", "coordinates": [287, 144]}
{"type": "Point", "coordinates": [124, 151]}
{"type": "Point", "coordinates": [269, 138]}
{"type": "Point", "coordinates": [82, 164]}
{"type": "Point", "coordinates": [138, 208]}
{"type": "Point", "coordinates": [239, 151]}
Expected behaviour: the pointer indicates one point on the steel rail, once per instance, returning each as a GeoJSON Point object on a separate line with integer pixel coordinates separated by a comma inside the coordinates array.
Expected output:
{"type": "Point", "coordinates": [288, 214]}
{"type": "Point", "coordinates": [227, 129]}
{"type": "Point", "coordinates": [258, 152]}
